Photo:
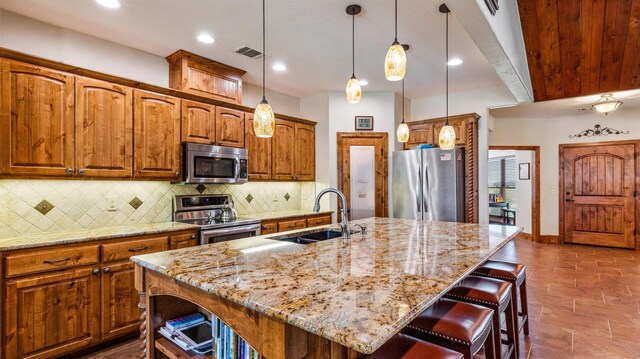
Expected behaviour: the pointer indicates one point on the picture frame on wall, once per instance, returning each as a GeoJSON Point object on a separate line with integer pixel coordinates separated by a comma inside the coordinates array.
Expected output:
{"type": "Point", "coordinates": [524, 171]}
{"type": "Point", "coordinates": [364, 123]}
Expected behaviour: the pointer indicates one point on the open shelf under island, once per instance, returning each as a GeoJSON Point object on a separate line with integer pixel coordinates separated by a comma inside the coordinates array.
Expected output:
{"type": "Point", "coordinates": [332, 299]}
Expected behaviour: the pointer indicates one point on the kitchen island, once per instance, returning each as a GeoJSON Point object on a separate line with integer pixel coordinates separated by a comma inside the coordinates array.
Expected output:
{"type": "Point", "coordinates": [331, 299]}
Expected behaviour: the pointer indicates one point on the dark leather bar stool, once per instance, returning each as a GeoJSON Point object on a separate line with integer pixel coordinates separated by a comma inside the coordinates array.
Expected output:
{"type": "Point", "coordinates": [405, 347]}
{"type": "Point", "coordinates": [495, 294]}
{"type": "Point", "coordinates": [516, 274]}
{"type": "Point", "coordinates": [459, 326]}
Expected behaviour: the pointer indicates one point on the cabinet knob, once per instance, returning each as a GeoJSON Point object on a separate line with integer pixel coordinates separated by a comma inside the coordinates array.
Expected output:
{"type": "Point", "coordinates": [193, 236]}
{"type": "Point", "coordinates": [81, 171]}
{"type": "Point", "coordinates": [219, 143]}
{"type": "Point", "coordinates": [177, 173]}
{"type": "Point", "coordinates": [96, 271]}
{"type": "Point", "coordinates": [107, 270]}
{"type": "Point", "coordinates": [69, 171]}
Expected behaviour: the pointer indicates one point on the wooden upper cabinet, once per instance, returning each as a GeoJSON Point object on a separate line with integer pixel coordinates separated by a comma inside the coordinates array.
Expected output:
{"type": "Point", "coordinates": [104, 129]}
{"type": "Point", "coordinates": [36, 121]}
{"type": "Point", "coordinates": [283, 150]}
{"type": "Point", "coordinates": [52, 313]}
{"type": "Point", "coordinates": [198, 122]}
{"type": "Point", "coordinates": [156, 124]}
{"type": "Point", "coordinates": [305, 152]}
{"type": "Point", "coordinates": [229, 127]}
{"type": "Point", "coordinates": [460, 127]}
{"type": "Point", "coordinates": [204, 77]}
{"type": "Point", "coordinates": [258, 150]}
{"type": "Point", "coordinates": [420, 133]}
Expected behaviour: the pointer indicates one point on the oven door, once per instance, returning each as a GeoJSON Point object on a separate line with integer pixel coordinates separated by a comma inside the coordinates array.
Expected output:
{"type": "Point", "coordinates": [229, 233]}
{"type": "Point", "coordinates": [210, 167]}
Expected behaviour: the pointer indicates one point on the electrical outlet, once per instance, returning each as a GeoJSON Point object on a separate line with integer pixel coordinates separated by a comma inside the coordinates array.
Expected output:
{"type": "Point", "coordinates": [275, 197]}
{"type": "Point", "coordinates": [112, 204]}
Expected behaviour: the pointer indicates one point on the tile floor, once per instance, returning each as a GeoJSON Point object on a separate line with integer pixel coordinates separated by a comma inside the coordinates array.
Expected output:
{"type": "Point", "coordinates": [584, 302]}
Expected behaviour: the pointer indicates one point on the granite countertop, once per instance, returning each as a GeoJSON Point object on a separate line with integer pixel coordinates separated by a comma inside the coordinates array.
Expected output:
{"type": "Point", "coordinates": [359, 293]}
{"type": "Point", "coordinates": [276, 215]}
{"type": "Point", "coordinates": [87, 235]}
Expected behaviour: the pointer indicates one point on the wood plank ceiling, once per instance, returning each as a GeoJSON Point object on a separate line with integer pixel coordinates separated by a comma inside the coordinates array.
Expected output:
{"type": "Point", "coordinates": [581, 47]}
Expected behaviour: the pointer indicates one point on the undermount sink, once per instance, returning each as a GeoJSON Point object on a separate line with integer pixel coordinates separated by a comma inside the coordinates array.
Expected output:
{"type": "Point", "coordinates": [311, 237]}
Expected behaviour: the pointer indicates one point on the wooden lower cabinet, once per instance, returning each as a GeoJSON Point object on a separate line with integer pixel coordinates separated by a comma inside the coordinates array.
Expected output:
{"type": "Point", "coordinates": [183, 241]}
{"type": "Point", "coordinates": [294, 223]}
{"type": "Point", "coordinates": [120, 313]}
{"type": "Point", "coordinates": [54, 313]}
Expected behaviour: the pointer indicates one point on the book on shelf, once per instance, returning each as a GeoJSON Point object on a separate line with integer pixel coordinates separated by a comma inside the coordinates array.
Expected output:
{"type": "Point", "coordinates": [185, 321]}
{"type": "Point", "coordinates": [229, 345]}
{"type": "Point", "coordinates": [190, 333]}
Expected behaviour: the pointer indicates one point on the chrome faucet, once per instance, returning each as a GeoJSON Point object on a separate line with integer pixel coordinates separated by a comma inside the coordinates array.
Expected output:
{"type": "Point", "coordinates": [346, 231]}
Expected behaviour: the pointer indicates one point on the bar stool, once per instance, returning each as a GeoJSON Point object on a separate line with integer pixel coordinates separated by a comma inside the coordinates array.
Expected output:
{"type": "Point", "coordinates": [405, 347]}
{"type": "Point", "coordinates": [494, 294]}
{"type": "Point", "coordinates": [516, 274]}
{"type": "Point", "coordinates": [459, 326]}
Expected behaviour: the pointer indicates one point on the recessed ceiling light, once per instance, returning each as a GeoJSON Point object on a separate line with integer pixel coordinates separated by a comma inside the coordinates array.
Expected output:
{"type": "Point", "coordinates": [364, 82]}
{"type": "Point", "coordinates": [207, 39]}
{"type": "Point", "coordinates": [454, 62]}
{"type": "Point", "coordinates": [279, 67]}
{"type": "Point", "coordinates": [113, 4]}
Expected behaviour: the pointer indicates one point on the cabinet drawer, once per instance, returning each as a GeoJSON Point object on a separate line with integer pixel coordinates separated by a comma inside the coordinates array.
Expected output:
{"type": "Point", "coordinates": [292, 225]}
{"type": "Point", "coordinates": [318, 221]}
{"type": "Point", "coordinates": [269, 228]}
{"type": "Point", "coordinates": [44, 260]}
{"type": "Point", "coordinates": [183, 240]}
{"type": "Point", "coordinates": [125, 249]}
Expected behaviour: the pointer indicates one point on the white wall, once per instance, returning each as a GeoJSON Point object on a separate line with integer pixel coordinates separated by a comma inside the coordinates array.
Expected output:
{"type": "Point", "coordinates": [478, 101]}
{"type": "Point", "coordinates": [523, 192]}
{"type": "Point", "coordinates": [534, 128]}
{"type": "Point", "coordinates": [280, 103]}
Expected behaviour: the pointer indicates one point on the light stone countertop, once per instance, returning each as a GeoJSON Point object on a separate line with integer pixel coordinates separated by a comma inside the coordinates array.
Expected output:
{"type": "Point", "coordinates": [86, 235]}
{"type": "Point", "coordinates": [278, 215]}
{"type": "Point", "coordinates": [359, 293]}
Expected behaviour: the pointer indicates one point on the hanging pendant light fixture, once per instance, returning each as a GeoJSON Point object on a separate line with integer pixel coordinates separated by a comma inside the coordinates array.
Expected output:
{"type": "Point", "coordinates": [402, 134]}
{"type": "Point", "coordinates": [447, 137]}
{"type": "Point", "coordinates": [354, 92]}
{"type": "Point", "coordinates": [606, 104]}
{"type": "Point", "coordinates": [264, 123]}
{"type": "Point", "coordinates": [395, 64]}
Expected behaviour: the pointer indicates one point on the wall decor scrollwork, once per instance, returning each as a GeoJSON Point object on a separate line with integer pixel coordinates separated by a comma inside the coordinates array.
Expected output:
{"type": "Point", "coordinates": [598, 130]}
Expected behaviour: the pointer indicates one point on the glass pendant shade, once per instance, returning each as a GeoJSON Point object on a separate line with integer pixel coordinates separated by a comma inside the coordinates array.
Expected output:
{"type": "Point", "coordinates": [354, 92]}
{"type": "Point", "coordinates": [264, 123]}
{"type": "Point", "coordinates": [606, 104]}
{"type": "Point", "coordinates": [447, 137]}
{"type": "Point", "coordinates": [395, 64]}
{"type": "Point", "coordinates": [402, 134]}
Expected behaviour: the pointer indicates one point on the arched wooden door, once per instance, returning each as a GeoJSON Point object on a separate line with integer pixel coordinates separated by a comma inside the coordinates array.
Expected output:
{"type": "Point", "coordinates": [598, 199]}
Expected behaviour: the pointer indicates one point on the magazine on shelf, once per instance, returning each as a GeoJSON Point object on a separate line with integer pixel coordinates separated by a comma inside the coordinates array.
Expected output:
{"type": "Point", "coordinates": [196, 337]}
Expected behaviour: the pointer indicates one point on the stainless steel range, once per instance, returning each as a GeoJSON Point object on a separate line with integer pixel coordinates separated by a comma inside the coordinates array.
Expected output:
{"type": "Point", "coordinates": [215, 216]}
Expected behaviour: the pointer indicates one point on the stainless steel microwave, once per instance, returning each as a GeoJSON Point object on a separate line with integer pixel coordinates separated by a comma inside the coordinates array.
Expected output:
{"type": "Point", "coordinates": [214, 164]}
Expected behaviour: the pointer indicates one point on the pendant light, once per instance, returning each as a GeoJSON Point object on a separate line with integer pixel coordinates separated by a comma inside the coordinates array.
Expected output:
{"type": "Point", "coordinates": [354, 92]}
{"type": "Point", "coordinates": [264, 123]}
{"type": "Point", "coordinates": [395, 64]}
{"type": "Point", "coordinates": [606, 104]}
{"type": "Point", "coordinates": [447, 137]}
{"type": "Point", "coordinates": [402, 133]}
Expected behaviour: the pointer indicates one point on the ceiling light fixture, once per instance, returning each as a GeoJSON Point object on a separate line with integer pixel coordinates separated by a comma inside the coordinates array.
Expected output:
{"type": "Point", "coordinates": [606, 104]}
{"type": "Point", "coordinates": [402, 134]}
{"type": "Point", "coordinates": [206, 39]}
{"type": "Point", "coordinates": [353, 90]}
{"type": "Point", "coordinates": [363, 82]}
{"type": "Point", "coordinates": [112, 4]}
{"type": "Point", "coordinates": [447, 136]}
{"type": "Point", "coordinates": [395, 64]}
{"type": "Point", "coordinates": [279, 67]}
{"type": "Point", "coordinates": [264, 122]}
{"type": "Point", "coordinates": [454, 62]}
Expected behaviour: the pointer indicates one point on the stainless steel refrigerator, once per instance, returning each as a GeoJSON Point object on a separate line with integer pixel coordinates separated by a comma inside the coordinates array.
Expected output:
{"type": "Point", "coordinates": [428, 184]}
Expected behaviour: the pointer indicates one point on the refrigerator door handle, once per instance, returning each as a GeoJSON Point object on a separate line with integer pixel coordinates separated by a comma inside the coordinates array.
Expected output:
{"type": "Point", "coordinates": [426, 193]}
{"type": "Point", "coordinates": [418, 199]}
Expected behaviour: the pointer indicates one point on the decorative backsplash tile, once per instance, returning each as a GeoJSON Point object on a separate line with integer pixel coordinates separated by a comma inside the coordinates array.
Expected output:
{"type": "Point", "coordinates": [136, 202]}
{"type": "Point", "coordinates": [76, 205]}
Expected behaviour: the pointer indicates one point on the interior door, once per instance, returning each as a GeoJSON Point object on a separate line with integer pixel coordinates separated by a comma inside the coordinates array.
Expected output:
{"type": "Point", "coordinates": [599, 185]}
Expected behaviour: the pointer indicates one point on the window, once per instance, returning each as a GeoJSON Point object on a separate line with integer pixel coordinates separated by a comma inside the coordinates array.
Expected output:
{"type": "Point", "coordinates": [502, 181]}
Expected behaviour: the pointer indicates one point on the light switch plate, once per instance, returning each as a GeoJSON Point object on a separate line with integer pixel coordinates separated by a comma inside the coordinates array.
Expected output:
{"type": "Point", "coordinates": [112, 204]}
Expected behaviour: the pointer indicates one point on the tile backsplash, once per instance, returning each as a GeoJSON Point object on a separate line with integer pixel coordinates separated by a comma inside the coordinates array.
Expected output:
{"type": "Point", "coordinates": [35, 206]}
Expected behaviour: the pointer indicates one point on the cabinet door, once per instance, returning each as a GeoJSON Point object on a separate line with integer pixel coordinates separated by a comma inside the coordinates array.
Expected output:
{"type": "Point", "coordinates": [229, 127]}
{"type": "Point", "coordinates": [198, 122]}
{"type": "Point", "coordinates": [183, 240]}
{"type": "Point", "coordinates": [420, 134]}
{"type": "Point", "coordinates": [460, 127]}
{"type": "Point", "coordinates": [156, 124]}
{"type": "Point", "coordinates": [104, 129]}
{"type": "Point", "coordinates": [52, 314]}
{"type": "Point", "coordinates": [305, 153]}
{"type": "Point", "coordinates": [36, 121]}
{"type": "Point", "coordinates": [282, 150]}
{"type": "Point", "coordinates": [120, 313]}
{"type": "Point", "coordinates": [291, 225]}
{"type": "Point", "coordinates": [269, 228]}
{"type": "Point", "coordinates": [258, 150]}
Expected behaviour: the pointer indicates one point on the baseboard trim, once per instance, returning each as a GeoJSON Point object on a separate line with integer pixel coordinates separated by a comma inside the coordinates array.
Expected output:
{"type": "Point", "coordinates": [549, 238]}
{"type": "Point", "coordinates": [525, 236]}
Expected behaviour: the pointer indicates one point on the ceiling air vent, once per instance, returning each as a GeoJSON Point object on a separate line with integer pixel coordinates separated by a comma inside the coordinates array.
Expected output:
{"type": "Point", "coordinates": [249, 52]}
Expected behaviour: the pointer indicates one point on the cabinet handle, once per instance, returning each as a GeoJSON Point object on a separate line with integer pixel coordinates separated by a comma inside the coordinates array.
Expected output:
{"type": "Point", "coordinates": [96, 271]}
{"type": "Point", "coordinates": [69, 171]}
{"type": "Point", "coordinates": [193, 236]}
{"type": "Point", "coordinates": [54, 261]}
{"type": "Point", "coordinates": [107, 270]}
{"type": "Point", "coordinates": [138, 249]}
{"type": "Point", "coordinates": [81, 171]}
